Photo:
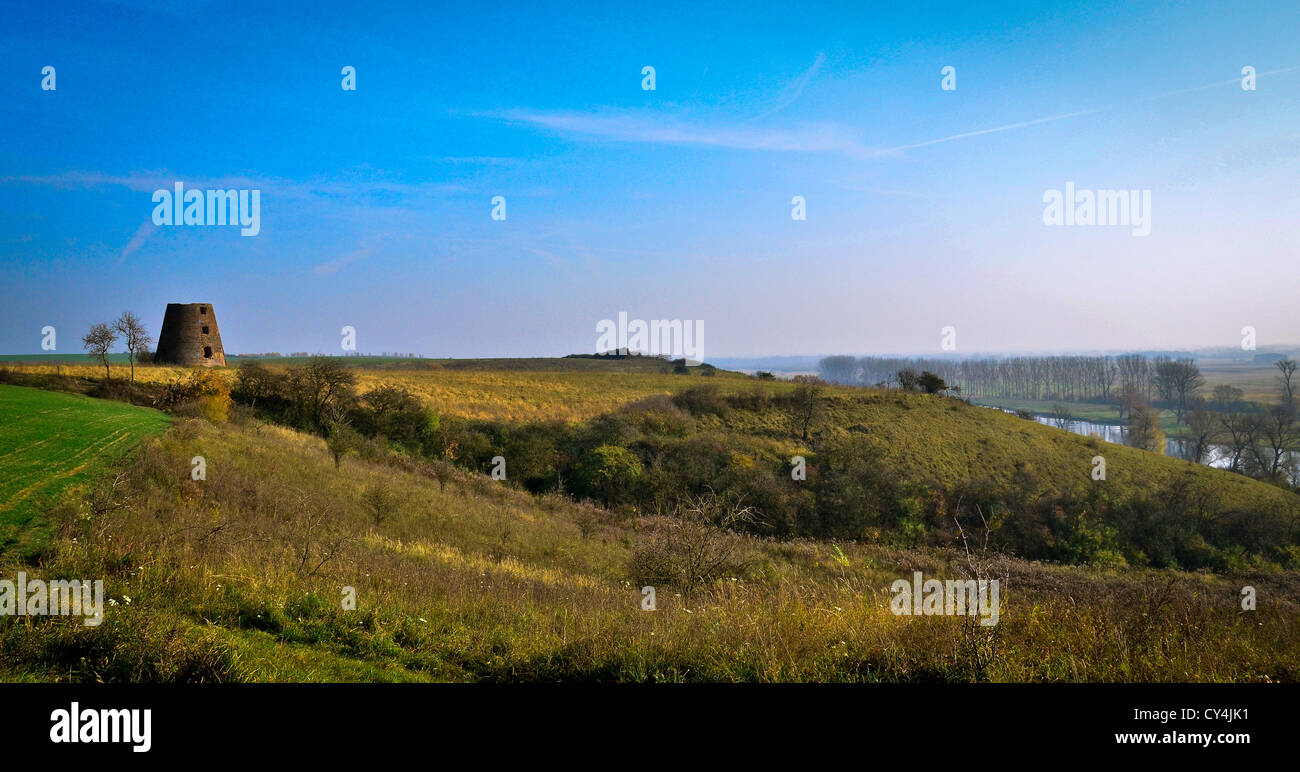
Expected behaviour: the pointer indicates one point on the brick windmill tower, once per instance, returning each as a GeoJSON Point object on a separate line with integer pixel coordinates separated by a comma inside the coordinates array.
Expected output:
{"type": "Point", "coordinates": [190, 336]}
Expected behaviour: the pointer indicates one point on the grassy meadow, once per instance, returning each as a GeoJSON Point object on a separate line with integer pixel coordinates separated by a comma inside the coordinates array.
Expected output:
{"type": "Point", "coordinates": [52, 441]}
{"type": "Point", "coordinates": [506, 390]}
{"type": "Point", "coordinates": [241, 578]}
{"type": "Point", "coordinates": [246, 575]}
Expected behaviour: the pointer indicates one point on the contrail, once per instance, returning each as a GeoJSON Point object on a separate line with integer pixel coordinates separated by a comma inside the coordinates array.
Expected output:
{"type": "Point", "coordinates": [796, 88]}
{"type": "Point", "coordinates": [1077, 113]}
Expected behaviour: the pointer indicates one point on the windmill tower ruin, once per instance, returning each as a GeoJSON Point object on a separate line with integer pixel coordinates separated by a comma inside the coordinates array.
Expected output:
{"type": "Point", "coordinates": [190, 336]}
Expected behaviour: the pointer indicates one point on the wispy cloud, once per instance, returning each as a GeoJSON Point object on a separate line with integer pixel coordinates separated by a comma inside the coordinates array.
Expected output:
{"type": "Point", "coordinates": [363, 200]}
{"type": "Point", "coordinates": [142, 234]}
{"type": "Point", "coordinates": [149, 181]}
{"type": "Point", "coordinates": [330, 267]}
{"type": "Point", "coordinates": [658, 128]}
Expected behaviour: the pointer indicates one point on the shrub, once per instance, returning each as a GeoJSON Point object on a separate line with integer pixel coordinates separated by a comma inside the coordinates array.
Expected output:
{"type": "Point", "coordinates": [341, 440]}
{"type": "Point", "coordinates": [119, 391]}
{"type": "Point", "coordinates": [393, 412]}
{"type": "Point", "coordinates": [687, 467]}
{"type": "Point", "coordinates": [931, 383]}
{"type": "Point", "coordinates": [695, 548]}
{"type": "Point", "coordinates": [609, 473]}
{"type": "Point", "coordinates": [755, 400]}
{"type": "Point", "coordinates": [379, 501]}
{"type": "Point", "coordinates": [319, 388]}
{"type": "Point", "coordinates": [255, 382]}
{"type": "Point", "coordinates": [443, 472]}
{"type": "Point", "coordinates": [702, 400]}
{"type": "Point", "coordinates": [213, 394]}
{"type": "Point", "coordinates": [659, 415]}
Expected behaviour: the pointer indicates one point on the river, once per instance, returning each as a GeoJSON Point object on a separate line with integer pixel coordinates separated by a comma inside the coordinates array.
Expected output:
{"type": "Point", "coordinates": [1218, 456]}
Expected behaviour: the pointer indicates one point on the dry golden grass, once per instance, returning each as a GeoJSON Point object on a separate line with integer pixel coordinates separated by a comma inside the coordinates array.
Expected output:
{"type": "Point", "coordinates": [92, 371]}
{"type": "Point", "coordinates": [527, 396]}
{"type": "Point", "coordinates": [240, 577]}
{"type": "Point", "coordinates": [514, 395]}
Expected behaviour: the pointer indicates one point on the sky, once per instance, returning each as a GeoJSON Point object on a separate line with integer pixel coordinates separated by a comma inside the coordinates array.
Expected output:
{"type": "Point", "coordinates": [924, 206]}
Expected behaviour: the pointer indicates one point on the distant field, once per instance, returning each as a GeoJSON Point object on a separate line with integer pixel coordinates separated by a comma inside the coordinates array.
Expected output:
{"type": "Point", "coordinates": [542, 364]}
{"type": "Point", "coordinates": [574, 389]}
{"type": "Point", "coordinates": [50, 359]}
{"type": "Point", "coordinates": [534, 396]}
{"type": "Point", "coordinates": [52, 440]}
{"type": "Point", "coordinates": [1096, 412]}
{"type": "Point", "coordinates": [1257, 380]}
{"type": "Point", "coordinates": [500, 389]}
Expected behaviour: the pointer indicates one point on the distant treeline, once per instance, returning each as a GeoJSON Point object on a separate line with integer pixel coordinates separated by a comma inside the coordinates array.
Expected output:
{"type": "Point", "coordinates": [1130, 377]}
{"type": "Point", "coordinates": [624, 353]}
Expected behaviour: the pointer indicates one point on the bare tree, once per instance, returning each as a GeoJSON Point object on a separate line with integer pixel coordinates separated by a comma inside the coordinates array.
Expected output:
{"type": "Point", "coordinates": [98, 342]}
{"type": "Point", "coordinates": [445, 472]}
{"type": "Point", "coordinates": [1135, 373]}
{"type": "Point", "coordinates": [839, 369]}
{"type": "Point", "coordinates": [1130, 396]}
{"type": "Point", "coordinates": [255, 381]}
{"type": "Point", "coordinates": [1104, 372]}
{"type": "Point", "coordinates": [807, 402]}
{"type": "Point", "coordinates": [316, 537]}
{"type": "Point", "coordinates": [1061, 416]}
{"type": "Point", "coordinates": [318, 386]}
{"type": "Point", "coordinates": [1163, 378]}
{"type": "Point", "coordinates": [380, 501]}
{"type": "Point", "coordinates": [1277, 435]}
{"type": "Point", "coordinates": [135, 336]}
{"type": "Point", "coordinates": [1179, 380]}
{"type": "Point", "coordinates": [980, 644]}
{"type": "Point", "coordinates": [1238, 434]}
{"type": "Point", "coordinates": [1287, 368]}
{"type": "Point", "coordinates": [1227, 396]}
{"type": "Point", "coordinates": [1144, 429]}
{"type": "Point", "coordinates": [1202, 427]}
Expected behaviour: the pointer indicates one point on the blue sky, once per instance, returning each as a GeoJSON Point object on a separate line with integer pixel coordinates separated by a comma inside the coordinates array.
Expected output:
{"type": "Point", "coordinates": [924, 206]}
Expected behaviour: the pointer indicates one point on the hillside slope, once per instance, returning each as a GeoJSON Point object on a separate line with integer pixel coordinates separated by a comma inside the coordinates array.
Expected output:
{"type": "Point", "coordinates": [51, 440]}
{"type": "Point", "coordinates": [953, 443]}
{"type": "Point", "coordinates": [243, 576]}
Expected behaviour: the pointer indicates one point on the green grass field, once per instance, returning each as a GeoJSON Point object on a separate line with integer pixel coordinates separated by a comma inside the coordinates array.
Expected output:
{"type": "Point", "coordinates": [51, 440]}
